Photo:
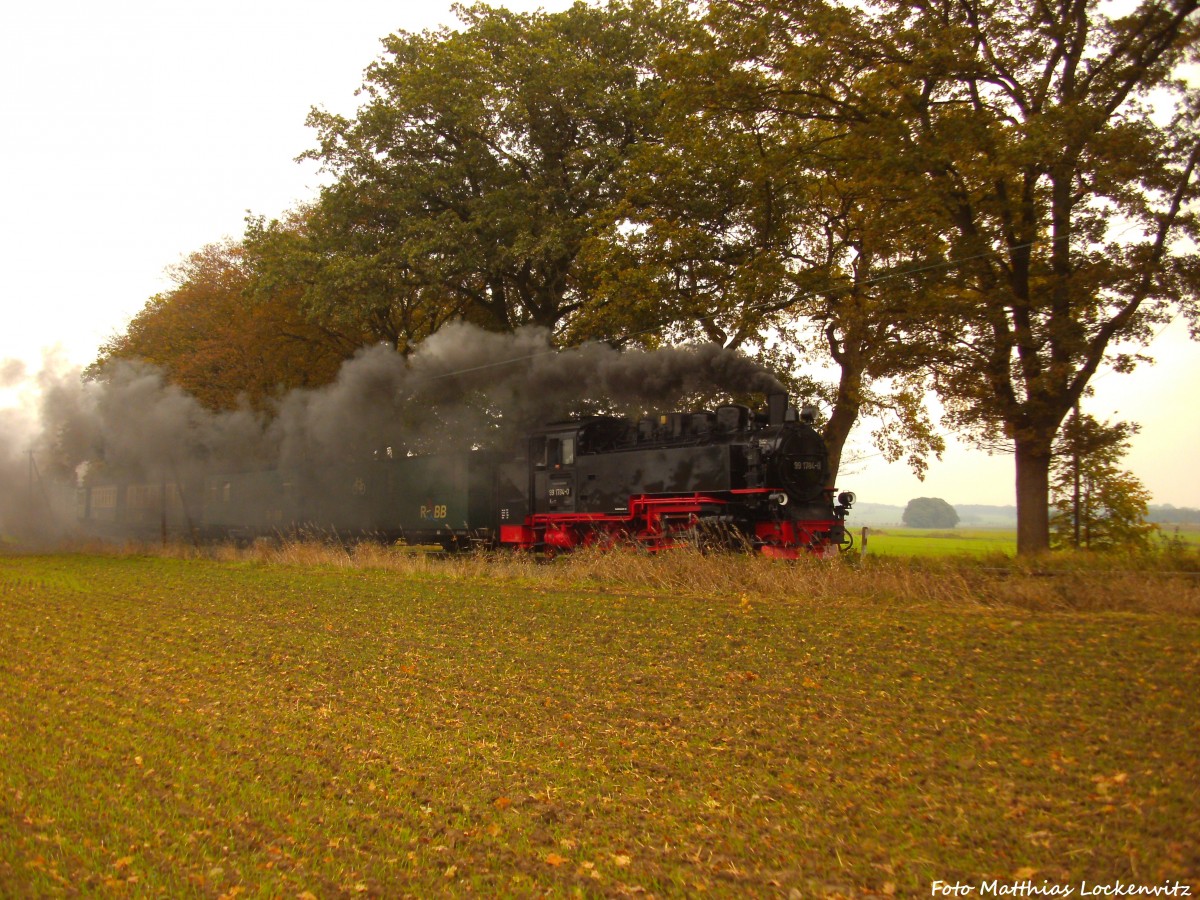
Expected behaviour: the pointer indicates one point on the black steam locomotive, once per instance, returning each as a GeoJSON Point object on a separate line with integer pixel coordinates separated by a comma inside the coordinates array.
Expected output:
{"type": "Point", "coordinates": [728, 477]}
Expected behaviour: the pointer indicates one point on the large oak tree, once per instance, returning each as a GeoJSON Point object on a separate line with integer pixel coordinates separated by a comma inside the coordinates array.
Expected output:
{"type": "Point", "coordinates": [1052, 149]}
{"type": "Point", "coordinates": [483, 158]}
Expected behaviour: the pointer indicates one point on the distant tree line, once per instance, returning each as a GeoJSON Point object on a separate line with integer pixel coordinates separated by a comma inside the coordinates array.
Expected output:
{"type": "Point", "coordinates": [912, 196]}
{"type": "Point", "coordinates": [1173, 515]}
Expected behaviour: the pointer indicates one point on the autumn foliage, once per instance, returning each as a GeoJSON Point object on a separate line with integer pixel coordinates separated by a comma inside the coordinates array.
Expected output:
{"type": "Point", "coordinates": [217, 340]}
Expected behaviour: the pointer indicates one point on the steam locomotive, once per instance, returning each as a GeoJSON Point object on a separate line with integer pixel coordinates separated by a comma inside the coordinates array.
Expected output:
{"type": "Point", "coordinates": [729, 477]}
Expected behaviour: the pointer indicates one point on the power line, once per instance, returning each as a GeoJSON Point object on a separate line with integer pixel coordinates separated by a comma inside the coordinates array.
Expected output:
{"type": "Point", "coordinates": [662, 323]}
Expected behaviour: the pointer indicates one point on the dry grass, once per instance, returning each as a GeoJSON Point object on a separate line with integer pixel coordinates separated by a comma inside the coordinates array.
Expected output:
{"type": "Point", "coordinates": [1163, 582]}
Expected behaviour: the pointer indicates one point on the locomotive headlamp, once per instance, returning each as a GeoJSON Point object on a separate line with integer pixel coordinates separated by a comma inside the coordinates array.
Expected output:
{"type": "Point", "coordinates": [847, 498]}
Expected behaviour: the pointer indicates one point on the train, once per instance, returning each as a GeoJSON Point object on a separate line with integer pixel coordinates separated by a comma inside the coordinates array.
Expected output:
{"type": "Point", "coordinates": [729, 477]}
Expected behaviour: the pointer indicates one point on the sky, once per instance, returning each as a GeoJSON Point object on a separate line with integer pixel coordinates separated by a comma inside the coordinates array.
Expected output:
{"type": "Point", "coordinates": [136, 132]}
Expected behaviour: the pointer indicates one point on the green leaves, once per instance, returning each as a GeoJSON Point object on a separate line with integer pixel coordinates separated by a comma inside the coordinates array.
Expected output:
{"type": "Point", "coordinates": [1111, 504]}
{"type": "Point", "coordinates": [484, 158]}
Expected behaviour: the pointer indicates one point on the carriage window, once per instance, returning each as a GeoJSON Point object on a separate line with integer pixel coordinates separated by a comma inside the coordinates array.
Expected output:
{"type": "Point", "coordinates": [104, 497]}
{"type": "Point", "coordinates": [537, 452]}
{"type": "Point", "coordinates": [568, 451]}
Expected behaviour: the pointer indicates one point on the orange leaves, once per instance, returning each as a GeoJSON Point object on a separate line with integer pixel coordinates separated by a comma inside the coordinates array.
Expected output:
{"type": "Point", "coordinates": [218, 346]}
{"type": "Point", "coordinates": [734, 677]}
{"type": "Point", "coordinates": [1105, 783]}
{"type": "Point", "coordinates": [1105, 786]}
{"type": "Point", "coordinates": [554, 859]}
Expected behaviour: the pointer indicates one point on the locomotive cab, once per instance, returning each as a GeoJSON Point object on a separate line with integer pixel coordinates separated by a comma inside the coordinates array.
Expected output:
{"type": "Point", "coordinates": [552, 459]}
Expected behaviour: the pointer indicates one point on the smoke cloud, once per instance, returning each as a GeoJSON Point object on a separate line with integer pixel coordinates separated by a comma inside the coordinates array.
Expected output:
{"type": "Point", "coordinates": [463, 387]}
{"type": "Point", "coordinates": [12, 371]}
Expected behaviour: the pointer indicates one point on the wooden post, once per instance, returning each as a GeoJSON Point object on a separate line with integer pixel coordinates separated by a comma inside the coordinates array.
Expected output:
{"type": "Point", "coordinates": [863, 546]}
{"type": "Point", "coordinates": [29, 498]}
{"type": "Point", "coordinates": [1075, 462]}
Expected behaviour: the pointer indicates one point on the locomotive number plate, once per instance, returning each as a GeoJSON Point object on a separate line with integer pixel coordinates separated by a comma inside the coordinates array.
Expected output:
{"type": "Point", "coordinates": [806, 465]}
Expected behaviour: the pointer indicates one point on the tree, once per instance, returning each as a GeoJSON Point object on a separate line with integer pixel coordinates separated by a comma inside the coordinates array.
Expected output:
{"type": "Point", "coordinates": [305, 261]}
{"type": "Point", "coordinates": [1054, 153]}
{"type": "Point", "coordinates": [481, 161]}
{"type": "Point", "coordinates": [215, 341]}
{"type": "Point", "coordinates": [1098, 505]}
{"type": "Point", "coordinates": [751, 233]}
{"type": "Point", "coordinates": [929, 512]}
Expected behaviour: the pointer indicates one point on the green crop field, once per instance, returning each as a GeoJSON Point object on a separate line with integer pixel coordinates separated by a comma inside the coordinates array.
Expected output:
{"type": "Point", "coordinates": [901, 541]}
{"type": "Point", "coordinates": [938, 541]}
{"type": "Point", "coordinates": [193, 728]}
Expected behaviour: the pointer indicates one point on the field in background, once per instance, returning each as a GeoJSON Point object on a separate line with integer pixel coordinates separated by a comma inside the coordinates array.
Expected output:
{"type": "Point", "coordinates": [901, 541]}
{"type": "Point", "coordinates": [302, 721]}
{"type": "Point", "coordinates": [897, 540]}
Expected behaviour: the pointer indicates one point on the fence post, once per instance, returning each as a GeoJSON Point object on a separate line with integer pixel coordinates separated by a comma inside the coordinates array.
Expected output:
{"type": "Point", "coordinates": [863, 546]}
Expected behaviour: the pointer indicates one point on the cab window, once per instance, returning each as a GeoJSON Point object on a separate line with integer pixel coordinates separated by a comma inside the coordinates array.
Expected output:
{"type": "Point", "coordinates": [552, 452]}
{"type": "Point", "coordinates": [539, 449]}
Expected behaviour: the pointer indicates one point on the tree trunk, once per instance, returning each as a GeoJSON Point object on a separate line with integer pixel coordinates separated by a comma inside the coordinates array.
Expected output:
{"type": "Point", "coordinates": [1033, 496]}
{"type": "Point", "coordinates": [845, 413]}
{"type": "Point", "coordinates": [837, 429]}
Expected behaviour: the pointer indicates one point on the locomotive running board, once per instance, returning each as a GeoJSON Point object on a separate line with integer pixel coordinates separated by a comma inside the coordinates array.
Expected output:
{"type": "Point", "coordinates": [648, 522]}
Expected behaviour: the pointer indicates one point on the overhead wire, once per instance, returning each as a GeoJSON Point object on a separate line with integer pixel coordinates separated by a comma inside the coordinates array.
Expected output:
{"type": "Point", "coordinates": [939, 265]}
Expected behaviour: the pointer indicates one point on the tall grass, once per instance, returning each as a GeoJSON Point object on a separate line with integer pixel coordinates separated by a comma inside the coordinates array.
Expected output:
{"type": "Point", "coordinates": [1165, 581]}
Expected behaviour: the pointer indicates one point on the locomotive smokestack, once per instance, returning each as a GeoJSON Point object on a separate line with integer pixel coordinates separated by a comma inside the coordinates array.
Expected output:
{"type": "Point", "coordinates": [777, 405]}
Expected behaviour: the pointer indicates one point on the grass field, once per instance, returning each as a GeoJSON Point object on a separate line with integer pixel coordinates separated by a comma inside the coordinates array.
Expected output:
{"type": "Point", "coordinates": [902, 541]}
{"type": "Point", "coordinates": [938, 541]}
{"type": "Point", "coordinates": [189, 727]}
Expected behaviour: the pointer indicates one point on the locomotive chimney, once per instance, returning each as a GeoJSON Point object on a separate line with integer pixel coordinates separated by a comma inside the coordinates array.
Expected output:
{"type": "Point", "coordinates": [777, 405]}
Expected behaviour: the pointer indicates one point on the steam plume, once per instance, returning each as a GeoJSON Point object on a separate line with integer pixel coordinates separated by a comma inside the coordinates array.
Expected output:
{"type": "Point", "coordinates": [463, 387]}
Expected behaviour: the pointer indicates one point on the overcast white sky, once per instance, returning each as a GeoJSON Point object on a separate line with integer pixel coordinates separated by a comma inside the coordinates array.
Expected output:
{"type": "Point", "coordinates": [135, 132]}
